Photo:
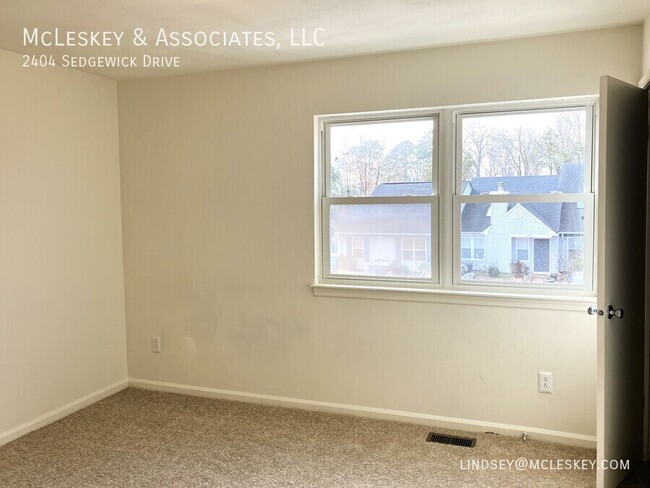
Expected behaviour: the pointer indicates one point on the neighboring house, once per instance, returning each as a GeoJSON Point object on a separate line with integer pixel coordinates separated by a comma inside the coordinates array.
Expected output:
{"type": "Point", "coordinates": [383, 240]}
{"type": "Point", "coordinates": [547, 238]}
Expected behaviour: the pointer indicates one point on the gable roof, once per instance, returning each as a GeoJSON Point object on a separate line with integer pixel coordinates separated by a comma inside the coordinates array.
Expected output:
{"type": "Point", "coordinates": [558, 217]}
{"type": "Point", "coordinates": [415, 219]}
{"type": "Point", "coordinates": [516, 185]}
{"type": "Point", "coordinates": [475, 218]}
{"type": "Point", "coordinates": [569, 180]}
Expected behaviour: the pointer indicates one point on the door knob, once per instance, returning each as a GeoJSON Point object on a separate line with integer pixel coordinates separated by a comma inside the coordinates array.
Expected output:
{"type": "Point", "coordinates": [611, 312]}
{"type": "Point", "coordinates": [593, 310]}
{"type": "Point", "coordinates": [614, 312]}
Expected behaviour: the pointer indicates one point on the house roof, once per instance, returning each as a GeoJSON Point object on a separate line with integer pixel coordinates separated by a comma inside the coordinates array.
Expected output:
{"type": "Point", "coordinates": [416, 219]}
{"type": "Point", "coordinates": [569, 180]}
{"type": "Point", "coordinates": [475, 217]}
{"type": "Point", "coordinates": [571, 218]}
{"type": "Point", "coordinates": [417, 189]}
{"type": "Point", "coordinates": [516, 184]}
{"type": "Point", "coordinates": [558, 217]}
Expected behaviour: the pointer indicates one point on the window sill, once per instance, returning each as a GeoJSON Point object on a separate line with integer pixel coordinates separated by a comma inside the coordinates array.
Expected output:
{"type": "Point", "coordinates": [456, 297]}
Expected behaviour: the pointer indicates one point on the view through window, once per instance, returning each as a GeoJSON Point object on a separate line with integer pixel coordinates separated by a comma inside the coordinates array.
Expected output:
{"type": "Point", "coordinates": [521, 167]}
{"type": "Point", "coordinates": [377, 171]}
{"type": "Point", "coordinates": [518, 185]}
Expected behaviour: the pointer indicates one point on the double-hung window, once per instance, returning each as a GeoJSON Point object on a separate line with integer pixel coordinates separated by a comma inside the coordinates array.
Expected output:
{"type": "Point", "coordinates": [524, 183]}
{"type": "Point", "coordinates": [378, 199]}
{"type": "Point", "coordinates": [496, 198]}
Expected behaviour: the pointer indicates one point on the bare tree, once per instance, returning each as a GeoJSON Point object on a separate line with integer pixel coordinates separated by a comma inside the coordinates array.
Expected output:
{"type": "Point", "coordinates": [411, 162]}
{"type": "Point", "coordinates": [477, 141]}
{"type": "Point", "coordinates": [523, 150]}
{"type": "Point", "coordinates": [361, 167]}
{"type": "Point", "coordinates": [402, 159]}
{"type": "Point", "coordinates": [563, 143]}
{"type": "Point", "coordinates": [520, 149]}
{"type": "Point", "coordinates": [424, 155]}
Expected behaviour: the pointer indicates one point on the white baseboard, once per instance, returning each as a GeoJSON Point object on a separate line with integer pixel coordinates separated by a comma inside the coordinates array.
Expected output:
{"type": "Point", "coordinates": [54, 415]}
{"type": "Point", "coordinates": [558, 437]}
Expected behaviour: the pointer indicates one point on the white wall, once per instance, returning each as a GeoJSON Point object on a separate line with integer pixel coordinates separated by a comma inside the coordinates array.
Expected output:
{"type": "Point", "coordinates": [646, 47]}
{"type": "Point", "coordinates": [217, 185]}
{"type": "Point", "coordinates": [62, 327]}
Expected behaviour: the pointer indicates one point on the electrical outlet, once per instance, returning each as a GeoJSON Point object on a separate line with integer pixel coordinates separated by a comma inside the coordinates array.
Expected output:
{"type": "Point", "coordinates": [545, 382]}
{"type": "Point", "coordinates": [155, 344]}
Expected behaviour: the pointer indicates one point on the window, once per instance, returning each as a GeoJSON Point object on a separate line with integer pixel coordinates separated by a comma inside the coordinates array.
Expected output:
{"type": "Point", "coordinates": [414, 249]}
{"type": "Point", "coordinates": [479, 248]}
{"type": "Point", "coordinates": [513, 182]}
{"type": "Point", "coordinates": [466, 248]}
{"type": "Point", "coordinates": [357, 248]}
{"type": "Point", "coordinates": [520, 249]}
{"type": "Point", "coordinates": [379, 198]}
{"type": "Point", "coordinates": [472, 248]}
{"type": "Point", "coordinates": [523, 180]}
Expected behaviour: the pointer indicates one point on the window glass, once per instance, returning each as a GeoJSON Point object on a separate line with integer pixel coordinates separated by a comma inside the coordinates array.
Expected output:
{"type": "Point", "coordinates": [419, 245]}
{"type": "Point", "coordinates": [520, 249]}
{"type": "Point", "coordinates": [479, 248]}
{"type": "Point", "coordinates": [357, 247]}
{"type": "Point", "coordinates": [531, 152]}
{"type": "Point", "coordinates": [517, 185]}
{"type": "Point", "coordinates": [393, 239]}
{"type": "Point", "coordinates": [466, 248]}
{"type": "Point", "coordinates": [384, 158]}
{"type": "Point", "coordinates": [552, 252]}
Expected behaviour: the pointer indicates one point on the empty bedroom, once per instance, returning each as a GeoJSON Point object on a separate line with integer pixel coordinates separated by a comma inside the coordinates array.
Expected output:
{"type": "Point", "coordinates": [321, 243]}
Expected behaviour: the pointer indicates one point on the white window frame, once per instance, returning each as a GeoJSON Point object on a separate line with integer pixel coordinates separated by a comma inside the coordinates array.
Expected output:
{"type": "Point", "coordinates": [446, 284]}
{"type": "Point", "coordinates": [586, 199]}
{"type": "Point", "coordinates": [324, 202]}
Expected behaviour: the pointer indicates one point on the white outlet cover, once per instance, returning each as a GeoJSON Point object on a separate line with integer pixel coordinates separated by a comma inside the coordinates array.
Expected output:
{"type": "Point", "coordinates": [545, 382]}
{"type": "Point", "coordinates": [156, 346]}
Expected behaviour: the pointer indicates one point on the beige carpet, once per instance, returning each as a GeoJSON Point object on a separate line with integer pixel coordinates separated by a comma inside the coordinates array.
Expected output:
{"type": "Point", "coordinates": [144, 439]}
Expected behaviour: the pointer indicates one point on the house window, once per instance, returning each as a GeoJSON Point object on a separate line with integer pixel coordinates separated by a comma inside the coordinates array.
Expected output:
{"type": "Point", "coordinates": [466, 248]}
{"type": "Point", "coordinates": [479, 248]}
{"type": "Point", "coordinates": [523, 179]}
{"type": "Point", "coordinates": [379, 189]}
{"type": "Point", "coordinates": [357, 248]}
{"type": "Point", "coordinates": [520, 249]}
{"type": "Point", "coordinates": [472, 248]}
{"type": "Point", "coordinates": [414, 249]}
{"type": "Point", "coordinates": [509, 190]}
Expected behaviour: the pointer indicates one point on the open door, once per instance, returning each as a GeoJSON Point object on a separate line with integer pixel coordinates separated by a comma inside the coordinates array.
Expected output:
{"type": "Point", "coordinates": [621, 276]}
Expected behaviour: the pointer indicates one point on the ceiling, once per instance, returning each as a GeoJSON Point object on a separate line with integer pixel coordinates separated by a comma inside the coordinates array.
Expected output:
{"type": "Point", "coordinates": [350, 27]}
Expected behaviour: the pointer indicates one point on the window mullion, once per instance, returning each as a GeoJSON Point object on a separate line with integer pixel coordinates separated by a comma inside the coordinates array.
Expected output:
{"type": "Point", "coordinates": [446, 185]}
